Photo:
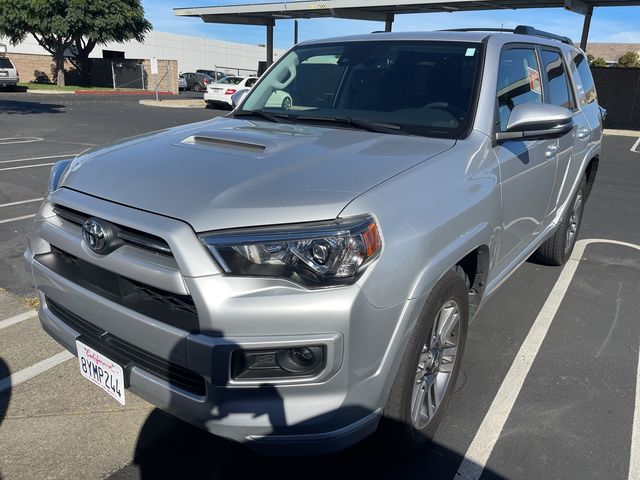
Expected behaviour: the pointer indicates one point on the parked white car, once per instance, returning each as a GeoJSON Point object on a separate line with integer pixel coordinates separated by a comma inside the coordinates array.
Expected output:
{"type": "Point", "coordinates": [9, 76]}
{"type": "Point", "coordinates": [220, 93]}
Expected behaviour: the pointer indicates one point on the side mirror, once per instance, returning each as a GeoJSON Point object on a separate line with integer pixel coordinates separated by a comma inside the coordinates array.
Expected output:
{"type": "Point", "coordinates": [537, 121]}
{"type": "Point", "coordinates": [237, 97]}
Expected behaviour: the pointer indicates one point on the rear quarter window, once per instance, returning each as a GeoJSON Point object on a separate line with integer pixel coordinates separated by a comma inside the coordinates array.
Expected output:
{"type": "Point", "coordinates": [585, 86]}
{"type": "Point", "coordinates": [5, 63]}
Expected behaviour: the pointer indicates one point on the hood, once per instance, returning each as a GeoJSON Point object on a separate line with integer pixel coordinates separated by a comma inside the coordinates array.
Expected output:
{"type": "Point", "coordinates": [229, 173]}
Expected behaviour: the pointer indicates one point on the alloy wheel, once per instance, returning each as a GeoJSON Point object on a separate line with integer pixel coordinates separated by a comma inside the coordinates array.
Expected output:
{"type": "Point", "coordinates": [435, 365]}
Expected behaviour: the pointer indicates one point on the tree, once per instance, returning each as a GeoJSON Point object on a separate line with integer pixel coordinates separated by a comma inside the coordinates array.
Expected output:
{"type": "Point", "coordinates": [596, 61]}
{"type": "Point", "coordinates": [51, 22]}
{"type": "Point", "coordinates": [59, 24]}
{"type": "Point", "coordinates": [629, 60]}
{"type": "Point", "coordinates": [107, 21]}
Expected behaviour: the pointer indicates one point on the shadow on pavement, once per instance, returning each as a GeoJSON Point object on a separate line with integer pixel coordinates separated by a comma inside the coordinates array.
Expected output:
{"type": "Point", "coordinates": [5, 392]}
{"type": "Point", "coordinates": [167, 447]}
{"type": "Point", "coordinates": [16, 107]}
{"type": "Point", "coordinates": [170, 448]}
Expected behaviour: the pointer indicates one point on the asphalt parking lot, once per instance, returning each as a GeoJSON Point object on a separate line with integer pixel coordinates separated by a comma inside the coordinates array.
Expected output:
{"type": "Point", "coordinates": [550, 383]}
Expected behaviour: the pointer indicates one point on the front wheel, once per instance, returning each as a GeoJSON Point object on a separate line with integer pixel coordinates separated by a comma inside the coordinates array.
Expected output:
{"type": "Point", "coordinates": [429, 367]}
{"type": "Point", "coordinates": [557, 249]}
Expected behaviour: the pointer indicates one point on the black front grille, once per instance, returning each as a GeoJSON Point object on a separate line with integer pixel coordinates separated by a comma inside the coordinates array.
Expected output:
{"type": "Point", "coordinates": [124, 352]}
{"type": "Point", "coordinates": [167, 307]}
{"type": "Point", "coordinates": [126, 234]}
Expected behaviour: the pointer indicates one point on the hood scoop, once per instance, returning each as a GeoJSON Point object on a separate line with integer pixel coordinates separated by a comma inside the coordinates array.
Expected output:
{"type": "Point", "coordinates": [237, 144]}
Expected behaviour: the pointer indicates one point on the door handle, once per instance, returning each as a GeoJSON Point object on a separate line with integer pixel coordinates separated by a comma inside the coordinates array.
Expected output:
{"type": "Point", "coordinates": [551, 150]}
{"type": "Point", "coordinates": [584, 132]}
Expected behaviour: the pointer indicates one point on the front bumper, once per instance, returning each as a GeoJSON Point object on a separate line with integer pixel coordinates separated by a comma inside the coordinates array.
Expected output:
{"type": "Point", "coordinates": [335, 408]}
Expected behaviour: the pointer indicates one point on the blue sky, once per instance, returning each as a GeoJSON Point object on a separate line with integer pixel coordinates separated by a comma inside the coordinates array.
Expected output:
{"type": "Point", "coordinates": [614, 24]}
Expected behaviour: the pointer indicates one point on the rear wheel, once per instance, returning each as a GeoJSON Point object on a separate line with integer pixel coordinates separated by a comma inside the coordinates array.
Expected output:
{"type": "Point", "coordinates": [429, 368]}
{"type": "Point", "coordinates": [557, 249]}
{"type": "Point", "coordinates": [286, 103]}
{"type": "Point", "coordinates": [198, 87]}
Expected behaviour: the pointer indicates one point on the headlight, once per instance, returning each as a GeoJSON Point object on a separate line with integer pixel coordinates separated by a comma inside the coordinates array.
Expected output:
{"type": "Point", "coordinates": [57, 171]}
{"type": "Point", "coordinates": [313, 254]}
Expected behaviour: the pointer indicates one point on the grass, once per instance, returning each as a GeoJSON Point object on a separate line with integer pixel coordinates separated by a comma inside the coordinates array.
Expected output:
{"type": "Point", "coordinates": [47, 86]}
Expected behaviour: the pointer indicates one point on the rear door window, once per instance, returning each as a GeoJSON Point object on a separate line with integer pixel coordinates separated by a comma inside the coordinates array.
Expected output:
{"type": "Point", "coordinates": [519, 81]}
{"type": "Point", "coordinates": [558, 87]}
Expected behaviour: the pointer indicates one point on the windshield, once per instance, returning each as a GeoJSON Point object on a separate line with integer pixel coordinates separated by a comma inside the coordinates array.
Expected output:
{"type": "Point", "coordinates": [230, 80]}
{"type": "Point", "coordinates": [420, 87]}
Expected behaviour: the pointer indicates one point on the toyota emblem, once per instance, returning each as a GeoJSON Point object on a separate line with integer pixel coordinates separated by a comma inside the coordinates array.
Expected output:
{"type": "Point", "coordinates": [96, 235]}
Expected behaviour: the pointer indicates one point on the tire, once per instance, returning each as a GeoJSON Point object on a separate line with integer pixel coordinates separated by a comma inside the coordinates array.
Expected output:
{"type": "Point", "coordinates": [557, 249]}
{"type": "Point", "coordinates": [286, 103]}
{"type": "Point", "coordinates": [403, 428]}
{"type": "Point", "coordinates": [198, 87]}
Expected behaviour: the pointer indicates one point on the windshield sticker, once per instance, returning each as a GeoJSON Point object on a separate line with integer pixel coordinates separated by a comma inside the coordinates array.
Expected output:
{"type": "Point", "coordinates": [470, 52]}
{"type": "Point", "coordinates": [534, 80]}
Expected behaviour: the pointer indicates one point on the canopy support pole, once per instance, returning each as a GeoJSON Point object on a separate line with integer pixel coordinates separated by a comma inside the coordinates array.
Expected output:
{"type": "Point", "coordinates": [270, 43]}
{"type": "Point", "coordinates": [388, 24]}
{"type": "Point", "coordinates": [585, 28]}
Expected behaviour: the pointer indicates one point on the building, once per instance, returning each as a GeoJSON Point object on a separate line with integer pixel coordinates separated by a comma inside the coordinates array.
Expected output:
{"type": "Point", "coordinates": [190, 52]}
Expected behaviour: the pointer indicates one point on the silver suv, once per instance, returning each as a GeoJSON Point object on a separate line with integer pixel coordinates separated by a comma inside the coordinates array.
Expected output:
{"type": "Point", "coordinates": [9, 76]}
{"type": "Point", "coordinates": [298, 276]}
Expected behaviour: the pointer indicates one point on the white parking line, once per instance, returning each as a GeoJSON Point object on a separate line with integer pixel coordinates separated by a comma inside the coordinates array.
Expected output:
{"type": "Point", "coordinates": [17, 319]}
{"type": "Point", "coordinates": [25, 166]}
{"type": "Point", "coordinates": [15, 219]}
{"type": "Point", "coordinates": [21, 202]}
{"type": "Point", "coordinates": [634, 149]}
{"type": "Point", "coordinates": [34, 370]}
{"type": "Point", "coordinates": [12, 140]}
{"type": "Point", "coordinates": [47, 157]}
{"type": "Point", "coordinates": [634, 461]}
{"type": "Point", "coordinates": [487, 435]}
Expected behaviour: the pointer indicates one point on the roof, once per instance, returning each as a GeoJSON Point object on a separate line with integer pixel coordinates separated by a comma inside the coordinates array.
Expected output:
{"type": "Point", "coordinates": [611, 52]}
{"type": "Point", "coordinates": [377, 10]}
{"type": "Point", "coordinates": [442, 35]}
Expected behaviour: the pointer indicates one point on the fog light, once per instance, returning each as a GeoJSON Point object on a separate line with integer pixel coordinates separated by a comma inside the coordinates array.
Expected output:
{"type": "Point", "coordinates": [303, 361]}
{"type": "Point", "coordinates": [299, 359]}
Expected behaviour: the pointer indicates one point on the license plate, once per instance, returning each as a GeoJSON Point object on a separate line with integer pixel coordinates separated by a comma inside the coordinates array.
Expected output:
{"type": "Point", "coordinates": [101, 370]}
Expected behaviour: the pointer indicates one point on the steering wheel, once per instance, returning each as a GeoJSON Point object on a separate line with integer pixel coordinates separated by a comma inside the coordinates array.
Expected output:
{"type": "Point", "coordinates": [457, 112]}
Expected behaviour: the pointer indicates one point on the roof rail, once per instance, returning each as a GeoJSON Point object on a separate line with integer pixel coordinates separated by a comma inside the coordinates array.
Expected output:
{"type": "Point", "coordinates": [527, 30]}
{"type": "Point", "coordinates": [507, 30]}
{"type": "Point", "coordinates": [519, 30]}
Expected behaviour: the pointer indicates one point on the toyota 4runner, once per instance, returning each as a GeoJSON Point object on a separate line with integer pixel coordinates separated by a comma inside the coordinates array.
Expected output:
{"type": "Point", "coordinates": [296, 276]}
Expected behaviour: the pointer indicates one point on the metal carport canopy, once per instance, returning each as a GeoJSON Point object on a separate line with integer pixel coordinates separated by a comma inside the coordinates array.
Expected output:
{"type": "Point", "coordinates": [376, 10]}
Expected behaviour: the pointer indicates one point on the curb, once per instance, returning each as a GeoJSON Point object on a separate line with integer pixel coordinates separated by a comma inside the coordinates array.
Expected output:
{"type": "Point", "coordinates": [52, 92]}
{"type": "Point", "coordinates": [97, 92]}
{"type": "Point", "coordinates": [120, 92]}
{"type": "Point", "coordinates": [196, 103]}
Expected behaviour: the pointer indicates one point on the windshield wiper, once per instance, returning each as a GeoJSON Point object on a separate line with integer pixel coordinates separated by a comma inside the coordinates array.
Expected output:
{"type": "Point", "coordinates": [377, 127]}
{"type": "Point", "coordinates": [272, 117]}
